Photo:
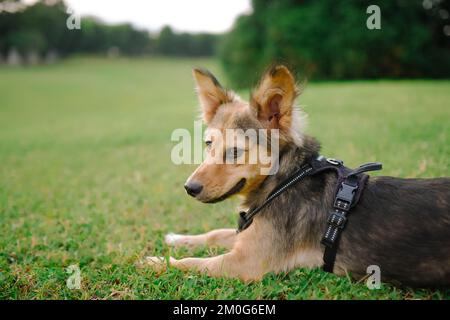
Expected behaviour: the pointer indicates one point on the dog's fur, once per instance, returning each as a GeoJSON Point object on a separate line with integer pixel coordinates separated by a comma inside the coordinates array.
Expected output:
{"type": "Point", "coordinates": [401, 225]}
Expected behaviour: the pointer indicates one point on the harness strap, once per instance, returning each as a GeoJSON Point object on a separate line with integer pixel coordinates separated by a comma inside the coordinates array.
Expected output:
{"type": "Point", "coordinates": [349, 189]}
{"type": "Point", "coordinates": [347, 195]}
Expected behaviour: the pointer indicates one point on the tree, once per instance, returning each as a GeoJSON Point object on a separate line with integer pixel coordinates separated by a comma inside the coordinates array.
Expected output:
{"type": "Point", "coordinates": [41, 27]}
{"type": "Point", "coordinates": [329, 40]}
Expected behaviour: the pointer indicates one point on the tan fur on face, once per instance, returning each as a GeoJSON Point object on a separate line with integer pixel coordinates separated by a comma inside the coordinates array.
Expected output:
{"type": "Point", "coordinates": [217, 179]}
{"type": "Point", "coordinates": [271, 107]}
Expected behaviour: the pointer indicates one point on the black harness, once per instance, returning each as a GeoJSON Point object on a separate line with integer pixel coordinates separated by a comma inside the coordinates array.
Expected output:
{"type": "Point", "coordinates": [348, 191]}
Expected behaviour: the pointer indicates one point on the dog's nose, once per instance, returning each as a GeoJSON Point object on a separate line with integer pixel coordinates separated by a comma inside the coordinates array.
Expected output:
{"type": "Point", "coordinates": [193, 188]}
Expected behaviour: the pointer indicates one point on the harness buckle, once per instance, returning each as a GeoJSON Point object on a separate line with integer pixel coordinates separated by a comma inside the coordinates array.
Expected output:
{"type": "Point", "coordinates": [337, 220]}
{"type": "Point", "coordinates": [344, 196]}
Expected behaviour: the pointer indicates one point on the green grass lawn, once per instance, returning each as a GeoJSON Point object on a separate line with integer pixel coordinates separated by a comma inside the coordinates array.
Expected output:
{"type": "Point", "coordinates": [86, 176]}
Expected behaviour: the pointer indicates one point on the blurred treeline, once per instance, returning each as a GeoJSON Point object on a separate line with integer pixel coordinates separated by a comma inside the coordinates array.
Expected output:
{"type": "Point", "coordinates": [324, 39]}
{"type": "Point", "coordinates": [328, 39]}
{"type": "Point", "coordinates": [41, 28]}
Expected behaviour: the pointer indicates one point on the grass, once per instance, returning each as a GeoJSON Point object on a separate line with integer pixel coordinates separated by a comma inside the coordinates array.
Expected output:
{"type": "Point", "coordinates": [86, 176]}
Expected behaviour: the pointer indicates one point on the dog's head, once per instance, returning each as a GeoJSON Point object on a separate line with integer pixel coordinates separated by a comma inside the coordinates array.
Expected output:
{"type": "Point", "coordinates": [237, 130]}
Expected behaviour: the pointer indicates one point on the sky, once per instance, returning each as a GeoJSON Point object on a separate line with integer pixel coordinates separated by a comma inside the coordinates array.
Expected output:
{"type": "Point", "coordinates": [183, 15]}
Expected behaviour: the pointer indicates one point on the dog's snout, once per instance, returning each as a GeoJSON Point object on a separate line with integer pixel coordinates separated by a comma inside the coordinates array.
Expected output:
{"type": "Point", "coordinates": [193, 188]}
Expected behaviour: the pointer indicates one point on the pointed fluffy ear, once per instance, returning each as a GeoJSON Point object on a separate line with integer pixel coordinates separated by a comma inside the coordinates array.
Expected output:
{"type": "Point", "coordinates": [210, 93]}
{"type": "Point", "coordinates": [274, 98]}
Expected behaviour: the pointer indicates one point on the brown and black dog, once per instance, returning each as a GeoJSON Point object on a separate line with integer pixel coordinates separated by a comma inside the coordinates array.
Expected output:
{"type": "Point", "coordinates": [400, 225]}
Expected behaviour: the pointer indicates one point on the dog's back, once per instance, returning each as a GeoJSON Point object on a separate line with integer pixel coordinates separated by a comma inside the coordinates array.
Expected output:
{"type": "Point", "coordinates": [403, 226]}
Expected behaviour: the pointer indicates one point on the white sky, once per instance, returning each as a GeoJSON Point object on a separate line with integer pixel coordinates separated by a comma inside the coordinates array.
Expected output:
{"type": "Point", "coordinates": [183, 15]}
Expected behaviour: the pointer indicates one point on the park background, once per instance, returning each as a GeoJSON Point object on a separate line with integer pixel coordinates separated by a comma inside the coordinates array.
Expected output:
{"type": "Point", "coordinates": [86, 117]}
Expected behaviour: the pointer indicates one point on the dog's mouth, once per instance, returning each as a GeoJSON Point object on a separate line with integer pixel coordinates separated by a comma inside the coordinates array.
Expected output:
{"type": "Point", "coordinates": [238, 187]}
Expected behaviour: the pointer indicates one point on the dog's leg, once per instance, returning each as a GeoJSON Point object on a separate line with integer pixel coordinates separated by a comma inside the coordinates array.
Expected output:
{"type": "Point", "coordinates": [232, 265]}
{"type": "Point", "coordinates": [216, 238]}
{"type": "Point", "coordinates": [254, 253]}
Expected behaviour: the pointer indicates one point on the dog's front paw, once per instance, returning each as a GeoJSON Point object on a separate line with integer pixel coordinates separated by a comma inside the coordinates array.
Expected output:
{"type": "Point", "coordinates": [175, 240]}
{"type": "Point", "coordinates": [185, 240]}
{"type": "Point", "coordinates": [158, 264]}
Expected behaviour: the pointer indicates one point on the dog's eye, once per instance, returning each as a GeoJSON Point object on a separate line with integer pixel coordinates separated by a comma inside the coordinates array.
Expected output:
{"type": "Point", "coordinates": [208, 143]}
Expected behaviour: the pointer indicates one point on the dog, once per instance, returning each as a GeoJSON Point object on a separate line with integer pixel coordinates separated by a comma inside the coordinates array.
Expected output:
{"type": "Point", "coordinates": [400, 225]}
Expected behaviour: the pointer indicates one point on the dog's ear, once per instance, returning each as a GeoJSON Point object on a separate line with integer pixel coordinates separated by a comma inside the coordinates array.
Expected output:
{"type": "Point", "coordinates": [210, 93]}
{"type": "Point", "coordinates": [274, 97]}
